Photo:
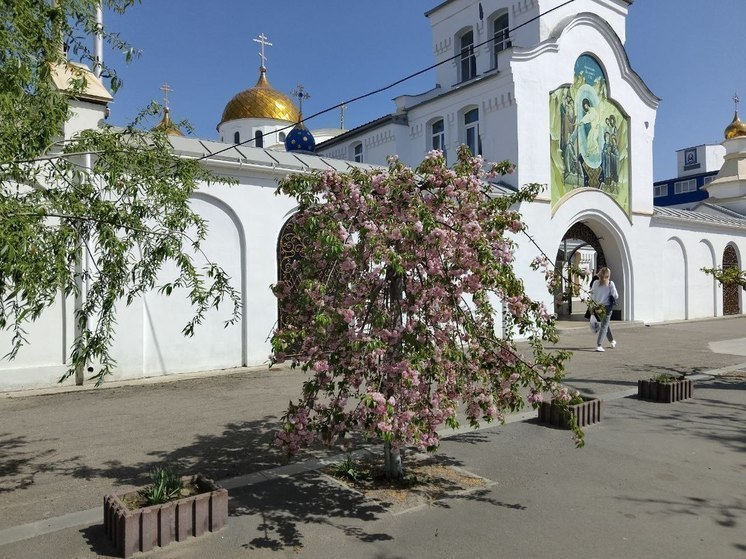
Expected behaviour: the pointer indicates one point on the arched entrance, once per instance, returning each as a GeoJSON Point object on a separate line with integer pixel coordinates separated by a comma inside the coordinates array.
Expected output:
{"type": "Point", "coordinates": [580, 249]}
{"type": "Point", "coordinates": [731, 292]}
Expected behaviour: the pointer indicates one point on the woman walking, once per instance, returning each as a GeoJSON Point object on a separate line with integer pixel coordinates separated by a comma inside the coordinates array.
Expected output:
{"type": "Point", "coordinates": [604, 293]}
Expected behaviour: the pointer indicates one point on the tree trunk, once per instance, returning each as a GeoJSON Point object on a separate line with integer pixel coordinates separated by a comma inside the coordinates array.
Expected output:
{"type": "Point", "coordinates": [393, 462]}
{"type": "Point", "coordinates": [393, 457]}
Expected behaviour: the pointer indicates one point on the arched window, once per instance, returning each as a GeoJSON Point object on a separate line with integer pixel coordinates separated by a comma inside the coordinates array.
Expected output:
{"type": "Point", "coordinates": [501, 36]}
{"type": "Point", "coordinates": [438, 135]}
{"type": "Point", "coordinates": [468, 58]}
{"type": "Point", "coordinates": [258, 139]}
{"type": "Point", "coordinates": [237, 138]}
{"type": "Point", "coordinates": [357, 153]}
{"type": "Point", "coordinates": [282, 136]}
{"type": "Point", "coordinates": [471, 132]}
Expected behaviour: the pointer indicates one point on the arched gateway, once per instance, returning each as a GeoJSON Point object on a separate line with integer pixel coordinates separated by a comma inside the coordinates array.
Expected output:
{"type": "Point", "coordinates": [580, 249]}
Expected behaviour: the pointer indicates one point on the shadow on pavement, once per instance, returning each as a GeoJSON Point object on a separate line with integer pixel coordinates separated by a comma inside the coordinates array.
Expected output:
{"type": "Point", "coordinates": [282, 507]}
{"type": "Point", "coordinates": [19, 464]}
{"type": "Point", "coordinates": [242, 448]}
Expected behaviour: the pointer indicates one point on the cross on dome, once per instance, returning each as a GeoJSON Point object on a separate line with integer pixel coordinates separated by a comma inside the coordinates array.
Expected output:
{"type": "Point", "coordinates": [301, 93]}
{"type": "Point", "coordinates": [736, 100]}
{"type": "Point", "coordinates": [166, 89]}
{"type": "Point", "coordinates": [262, 40]}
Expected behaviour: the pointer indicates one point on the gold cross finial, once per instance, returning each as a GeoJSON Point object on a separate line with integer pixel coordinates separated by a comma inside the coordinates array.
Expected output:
{"type": "Point", "coordinates": [166, 89]}
{"type": "Point", "coordinates": [262, 40]}
{"type": "Point", "coordinates": [736, 100]}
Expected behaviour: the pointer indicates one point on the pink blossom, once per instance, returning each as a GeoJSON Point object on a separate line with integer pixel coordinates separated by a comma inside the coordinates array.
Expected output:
{"type": "Point", "coordinates": [394, 325]}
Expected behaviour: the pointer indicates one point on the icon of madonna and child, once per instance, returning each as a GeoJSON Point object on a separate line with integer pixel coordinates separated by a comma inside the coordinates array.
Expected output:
{"type": "Point", "coordinates": [588, 136]}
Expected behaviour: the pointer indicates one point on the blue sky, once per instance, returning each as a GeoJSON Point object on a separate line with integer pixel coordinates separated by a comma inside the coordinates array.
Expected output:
{"type": "Point", "coordinates": [690, 53]}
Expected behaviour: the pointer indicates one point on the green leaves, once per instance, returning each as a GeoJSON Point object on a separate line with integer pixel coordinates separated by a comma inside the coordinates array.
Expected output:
{"type": "Point", "coordinates": [98, 215]}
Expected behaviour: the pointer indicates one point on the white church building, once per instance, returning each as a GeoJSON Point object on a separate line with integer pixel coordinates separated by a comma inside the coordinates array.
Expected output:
{"type": "Point", "coordinates": [553, 93]}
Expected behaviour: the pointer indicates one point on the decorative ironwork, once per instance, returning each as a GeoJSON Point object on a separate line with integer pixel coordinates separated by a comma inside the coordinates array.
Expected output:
{"type": "Point", "coordinates": [289, 250]}
{"type": "Point", "coordinates": [731, 292]}
{"type": "Point", "coordinates": [584, 233]}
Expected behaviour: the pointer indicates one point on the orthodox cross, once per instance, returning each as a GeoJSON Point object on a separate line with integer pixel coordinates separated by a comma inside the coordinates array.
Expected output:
{"type": "Point", "coordinates": [736, 100]}
{"type": "Point", "coordinates": [301, 93]}
{"type": "Point", "coordinates": [262, 40]}
{"type": "Point", "coordinates": [342, 108]}
{"type": "Point", "coordinates": [166, 89]}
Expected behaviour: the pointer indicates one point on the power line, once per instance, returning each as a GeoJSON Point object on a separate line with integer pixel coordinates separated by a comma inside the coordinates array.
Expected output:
{"type": "Point", "coordinates": [389, 86]}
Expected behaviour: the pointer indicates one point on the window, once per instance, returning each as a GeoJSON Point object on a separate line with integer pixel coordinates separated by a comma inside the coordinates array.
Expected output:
{"type": "Point", "coordinates": [471, 132]}
{"type": "Point", "coordinates": [468, 58]}
{"type": "Point", "coordinates": [438, 135]}
{"type": "Point", "coordinates": [682, 187]}
{"type": "Point", "coordinates": [237, 138]}
{"type": "Point", "coordinates": [357, 153]}
{"type": "Point", "coordinates": [708, 180]}
{"type": "Point", "coordinates": [259, 139]}
{"type": "Point", "coordinates": [282, 136]}
{"type": "Point", "coordinates": [660, 190]}
{"type": "Point", "coordinates": [501, 36]}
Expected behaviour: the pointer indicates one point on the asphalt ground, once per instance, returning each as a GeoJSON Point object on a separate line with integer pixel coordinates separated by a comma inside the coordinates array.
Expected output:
{"type": "Point", "coordinates": [654, 480]}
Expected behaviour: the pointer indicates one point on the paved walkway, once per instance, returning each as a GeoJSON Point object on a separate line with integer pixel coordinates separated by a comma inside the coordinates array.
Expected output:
{"type": "Point", "coordinates": [654, 480]}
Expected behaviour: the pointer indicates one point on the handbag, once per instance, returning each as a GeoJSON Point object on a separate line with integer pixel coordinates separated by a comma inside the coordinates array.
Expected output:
{"type": "Point", "coordinates": [587, 314]}
{"type": "Point", "coordinates": [594, 324]}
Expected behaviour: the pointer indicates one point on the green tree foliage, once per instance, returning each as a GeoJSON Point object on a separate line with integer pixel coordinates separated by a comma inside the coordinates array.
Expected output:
{"type": "Point", "coordinates": [105, 209]}
{"type": "Point", "coordinates": [728, 276]}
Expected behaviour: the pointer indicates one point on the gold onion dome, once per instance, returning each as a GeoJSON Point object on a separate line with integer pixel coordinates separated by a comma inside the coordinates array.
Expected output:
{"type": "Point", "coordinates": [261, 101]}
{"type": "Point", "coordinates": [736, 129]}
{"type": "Point", "coordinates": [166, 125]}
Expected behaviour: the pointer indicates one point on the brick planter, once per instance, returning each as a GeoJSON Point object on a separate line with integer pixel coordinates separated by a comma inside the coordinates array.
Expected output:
{"type": "Point", "coordinates": [587, 413]}
{"type": "Point", "coordinates": [666, 392]}
{"type": "Point", "coordinates": [143, 529]}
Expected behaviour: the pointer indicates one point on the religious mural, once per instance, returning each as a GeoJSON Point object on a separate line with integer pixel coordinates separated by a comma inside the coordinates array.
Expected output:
{"type": "Point", "coordinates": [589, 137]}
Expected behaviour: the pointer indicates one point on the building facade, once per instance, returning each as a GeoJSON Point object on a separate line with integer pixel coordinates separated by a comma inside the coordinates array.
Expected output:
{"type": "Point", "coordinates": [545, 85]}
{"type": "Point", "coordinates": [696, 168]}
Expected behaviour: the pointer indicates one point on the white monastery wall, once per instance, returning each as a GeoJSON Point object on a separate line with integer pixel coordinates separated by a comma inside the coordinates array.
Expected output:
{"type": "Point", "coordinates": [44, 356]}
{"type": "Point", "coordinates": [656, 260]}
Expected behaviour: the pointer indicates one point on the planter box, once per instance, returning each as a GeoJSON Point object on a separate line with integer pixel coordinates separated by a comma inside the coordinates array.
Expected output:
{"type": "Point", "coordinates": [143, 529]}
{"type": "Point", "coordinates": [587, 413]}
{"type": "Point", "coordinates": [666, 392]}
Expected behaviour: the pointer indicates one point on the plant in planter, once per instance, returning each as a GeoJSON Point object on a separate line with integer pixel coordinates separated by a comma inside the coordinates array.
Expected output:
{"type": "Point", "coordinates": [665, 388]}
{"type": "Point", "coordinates": [570, 410]}
{"type": "Point", "coordinates": [172, 508]}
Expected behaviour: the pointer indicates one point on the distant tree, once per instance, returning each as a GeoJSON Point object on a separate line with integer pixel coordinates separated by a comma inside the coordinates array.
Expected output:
{"type": "Point", "coordinates": [401, 277]}
{"type": "Point", "coordinates": [117, 199]}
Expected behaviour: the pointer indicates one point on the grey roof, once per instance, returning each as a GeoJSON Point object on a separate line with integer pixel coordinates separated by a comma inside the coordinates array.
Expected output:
{"type": "Point", "coordinates": [216, 151]}
{"type": "Point", "coordinates": [503, 188]}
{"type": "Point", "coordinates": [721, 209]}
{"type": "Point", "coordinates": [728, 217]}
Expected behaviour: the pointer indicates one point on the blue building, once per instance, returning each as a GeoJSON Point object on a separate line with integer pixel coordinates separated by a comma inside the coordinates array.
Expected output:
{"type": "Point", "coordinates": [697, 167]}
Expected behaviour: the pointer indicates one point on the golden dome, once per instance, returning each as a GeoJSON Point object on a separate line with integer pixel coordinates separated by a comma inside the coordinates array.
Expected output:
{"type": "Point", "coordinates": [167, 125]}
{"type": "Point", "coordinates": [261, 101]}
{"type": "Point", "coordinates": [736, 129]}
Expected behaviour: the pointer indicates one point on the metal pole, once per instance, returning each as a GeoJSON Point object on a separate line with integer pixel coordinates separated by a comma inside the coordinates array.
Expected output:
{"type": "Point", "coordinates": [98, 44]}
